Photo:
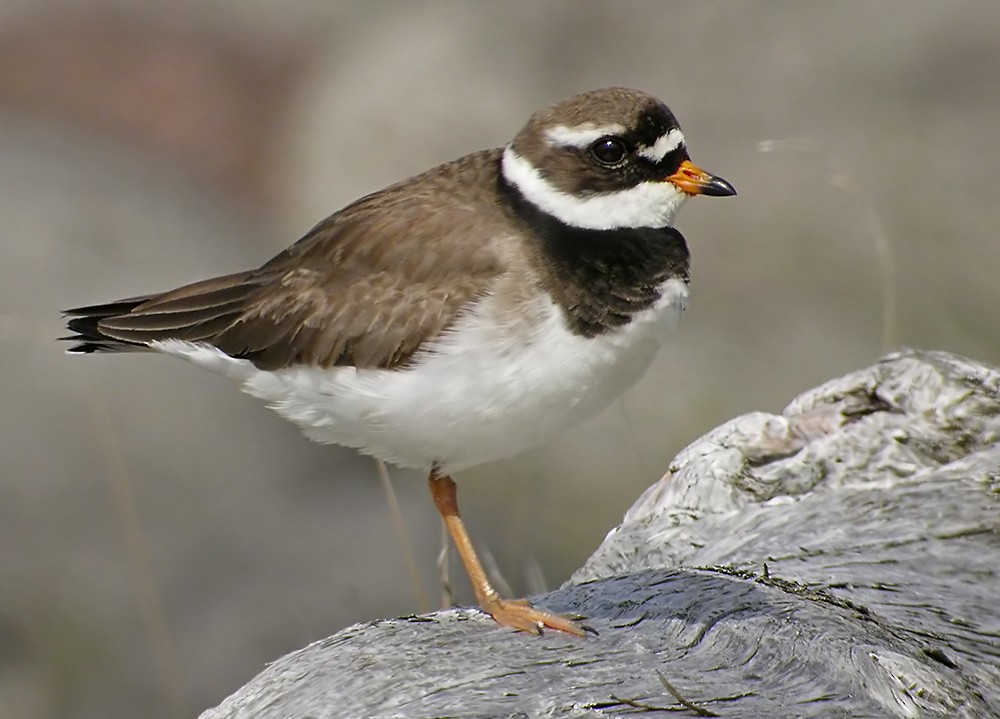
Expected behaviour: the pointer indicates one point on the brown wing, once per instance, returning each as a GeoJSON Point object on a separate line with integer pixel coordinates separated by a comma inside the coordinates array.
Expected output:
{"type": "Point", "coordinates": [365, 287]}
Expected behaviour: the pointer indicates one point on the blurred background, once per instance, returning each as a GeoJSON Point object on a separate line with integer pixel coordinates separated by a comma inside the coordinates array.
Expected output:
{"type": "Point", "coordinates": [163, 536]}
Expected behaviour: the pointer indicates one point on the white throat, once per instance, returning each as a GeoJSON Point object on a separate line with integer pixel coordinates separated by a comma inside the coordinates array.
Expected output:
{"type": "Point", "coordinates": [648, 204]}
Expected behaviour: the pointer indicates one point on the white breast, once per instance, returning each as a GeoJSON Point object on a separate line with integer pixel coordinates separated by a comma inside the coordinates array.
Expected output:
{"type": "Point", "coordinates": [471, 398]}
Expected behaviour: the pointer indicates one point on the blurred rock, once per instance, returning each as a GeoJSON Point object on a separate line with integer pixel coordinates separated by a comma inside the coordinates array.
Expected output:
{"type": "Point", "coordinates": [199, 93]}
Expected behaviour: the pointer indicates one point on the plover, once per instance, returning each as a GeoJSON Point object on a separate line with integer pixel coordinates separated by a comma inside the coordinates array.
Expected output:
{"type": "Point", "coordinates": [462, 315]}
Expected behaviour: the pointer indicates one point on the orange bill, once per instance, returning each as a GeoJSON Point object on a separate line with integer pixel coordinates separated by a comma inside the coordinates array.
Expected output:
{"type": "Point", "coordinates": [693, 180]}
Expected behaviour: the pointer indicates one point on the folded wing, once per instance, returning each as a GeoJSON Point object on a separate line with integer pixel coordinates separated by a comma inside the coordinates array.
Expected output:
{"type": "Point", "coordinates": [361, 289]}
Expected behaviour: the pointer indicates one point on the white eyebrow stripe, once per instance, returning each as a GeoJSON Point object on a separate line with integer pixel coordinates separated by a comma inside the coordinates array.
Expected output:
{"type": "Point", "coordinates": [580, 135]}
{"type": "Point", "coordinates": [664, 145]}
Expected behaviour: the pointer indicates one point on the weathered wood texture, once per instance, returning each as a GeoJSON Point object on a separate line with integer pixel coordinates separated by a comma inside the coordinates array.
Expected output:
{"type": "Point", "coordinates": [840, 559]}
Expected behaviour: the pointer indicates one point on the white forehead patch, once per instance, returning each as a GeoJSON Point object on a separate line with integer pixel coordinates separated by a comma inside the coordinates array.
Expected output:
{"type": "Point", "coordinates": [664, 145]}
{"type": "Point", "coordinates": [580, 135]}
{"type": "Point", "coordinates": [648, 204]}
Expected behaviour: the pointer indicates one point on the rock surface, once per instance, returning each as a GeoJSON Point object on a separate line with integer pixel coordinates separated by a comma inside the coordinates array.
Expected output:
{"type": "Point", "coordinates": [839, 559]}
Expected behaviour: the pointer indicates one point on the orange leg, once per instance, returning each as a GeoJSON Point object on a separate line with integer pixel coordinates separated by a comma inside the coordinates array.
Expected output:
{"type": "Point", "coordinates": [517, 613]}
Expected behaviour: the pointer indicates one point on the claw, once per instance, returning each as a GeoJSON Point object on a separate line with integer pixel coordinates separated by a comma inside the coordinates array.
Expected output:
{"type": "Point", "coordinates": [520, 615]}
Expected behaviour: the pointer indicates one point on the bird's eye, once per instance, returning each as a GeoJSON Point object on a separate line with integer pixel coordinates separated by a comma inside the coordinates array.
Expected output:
{"type": "Point", "coordinates": [608, 150]}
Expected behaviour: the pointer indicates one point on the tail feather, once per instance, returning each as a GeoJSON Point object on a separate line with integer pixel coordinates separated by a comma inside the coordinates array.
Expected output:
{"type": "Point", "coordinates": [195, 312]}
{"type": "Point", "coordinates": [85, 322]}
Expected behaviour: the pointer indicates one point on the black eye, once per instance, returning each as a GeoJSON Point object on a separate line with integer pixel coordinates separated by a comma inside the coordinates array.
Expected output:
{"type": "Point", "coordinates": [608, 150]}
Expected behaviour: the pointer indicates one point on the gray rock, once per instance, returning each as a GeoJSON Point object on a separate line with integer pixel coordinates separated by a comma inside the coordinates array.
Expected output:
{"type": "Point", "coordinates": [839, 559]}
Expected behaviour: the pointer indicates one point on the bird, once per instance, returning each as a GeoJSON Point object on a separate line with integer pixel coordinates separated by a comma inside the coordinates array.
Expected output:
{"type": "Point", "coordinates": [460, 316]}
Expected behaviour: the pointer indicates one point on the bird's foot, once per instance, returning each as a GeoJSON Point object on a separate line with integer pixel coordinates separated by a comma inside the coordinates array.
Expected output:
{"type": "Point", "coordinates": [520, 615]}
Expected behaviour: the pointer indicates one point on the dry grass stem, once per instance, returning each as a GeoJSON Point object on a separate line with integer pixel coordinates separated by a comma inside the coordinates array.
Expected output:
{"type": "Point", "coordinates": [841, 177]}
{"type": "Point", "coordinates": [402, 536]}
{"type": "Point", "coordinates": [126, 516]}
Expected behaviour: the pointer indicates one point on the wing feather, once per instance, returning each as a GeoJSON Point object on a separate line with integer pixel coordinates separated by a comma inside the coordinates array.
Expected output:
{"type": "Point", "coordinates": [366, 287]}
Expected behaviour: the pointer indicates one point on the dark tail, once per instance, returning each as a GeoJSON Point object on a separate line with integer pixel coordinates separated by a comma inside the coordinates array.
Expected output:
{"type": "Point", "coordinates": [195, 313]}
{"type": "Point", "coordinates": [85, 322]}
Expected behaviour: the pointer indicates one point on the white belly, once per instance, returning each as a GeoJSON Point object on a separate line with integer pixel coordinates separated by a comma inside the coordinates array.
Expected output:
{"type": "Point", "coordinates": [472, 398]}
